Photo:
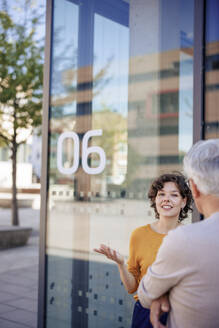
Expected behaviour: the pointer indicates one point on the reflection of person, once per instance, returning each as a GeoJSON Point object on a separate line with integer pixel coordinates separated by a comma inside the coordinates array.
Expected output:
{"type": "Point", "coordinates": [187, 263]}
{"type": "Point", "coordinates": [170, 198]}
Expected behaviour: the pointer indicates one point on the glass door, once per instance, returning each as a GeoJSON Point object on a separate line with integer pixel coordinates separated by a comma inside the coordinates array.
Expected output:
{"type": "Point", "coordinates": [121, 113]}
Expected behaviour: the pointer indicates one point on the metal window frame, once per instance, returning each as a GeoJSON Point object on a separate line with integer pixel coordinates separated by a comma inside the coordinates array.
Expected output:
{"type": "Point", "coordinates": [198, 79]}
{"type": "Point", "coordinates": [199, 70]}
{"type": "Point", "coordinates": [44, 171]}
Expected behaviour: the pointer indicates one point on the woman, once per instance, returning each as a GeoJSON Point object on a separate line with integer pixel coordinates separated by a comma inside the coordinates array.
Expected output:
{"type": "Point", "coordinates": [171, 199]}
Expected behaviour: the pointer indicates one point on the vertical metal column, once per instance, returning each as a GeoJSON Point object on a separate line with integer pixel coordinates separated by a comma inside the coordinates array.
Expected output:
{"type": "Point", "coordinates": [198, 78]}
{"type": "Point", "coordinates": [44, 171]}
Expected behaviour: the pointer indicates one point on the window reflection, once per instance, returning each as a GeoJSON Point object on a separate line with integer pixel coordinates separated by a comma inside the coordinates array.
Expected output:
{"type": "Point", "coordinates": [124, 68]}
{"type": "Point", "coordinates": [211, 73]}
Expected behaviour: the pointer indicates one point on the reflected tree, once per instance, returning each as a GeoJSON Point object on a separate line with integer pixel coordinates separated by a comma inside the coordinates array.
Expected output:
{"type": "Point", "coordinates": [114, 138]}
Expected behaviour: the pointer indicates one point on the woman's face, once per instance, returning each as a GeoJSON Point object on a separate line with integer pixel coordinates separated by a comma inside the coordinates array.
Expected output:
{"type": "Point", "coordinates": [169, 201]}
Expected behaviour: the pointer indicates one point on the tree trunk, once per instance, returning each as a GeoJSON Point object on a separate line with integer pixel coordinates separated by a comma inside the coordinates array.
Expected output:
{"type": "Point", "coordinates": [15, 218]}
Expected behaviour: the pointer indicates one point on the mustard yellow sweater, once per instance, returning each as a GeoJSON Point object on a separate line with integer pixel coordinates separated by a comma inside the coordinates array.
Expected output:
{"type": "Point", "coordinates": [143, 247]}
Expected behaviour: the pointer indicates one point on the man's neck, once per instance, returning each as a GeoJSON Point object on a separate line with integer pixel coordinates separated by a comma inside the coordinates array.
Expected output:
{"type": "Point", "coordinates": [210, 205]}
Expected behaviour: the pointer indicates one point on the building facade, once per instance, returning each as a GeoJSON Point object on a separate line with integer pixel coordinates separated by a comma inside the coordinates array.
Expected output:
{"type": "Point", "coordinates": [129, 86]}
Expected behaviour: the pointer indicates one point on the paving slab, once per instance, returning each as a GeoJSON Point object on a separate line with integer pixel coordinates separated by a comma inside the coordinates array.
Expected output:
{"type": "Point", "coordinates": [19, 275]}
{"type": "Point", "coordinates": [5, 308]}
{"type": "Point", "coordinates": [25, 303]}
{"type": "Point", "coordinates": [27, 318]}
{"type": "Point", "coordinates": [14, 289]}
{"type": "Point", "coordinates": [11, 324]}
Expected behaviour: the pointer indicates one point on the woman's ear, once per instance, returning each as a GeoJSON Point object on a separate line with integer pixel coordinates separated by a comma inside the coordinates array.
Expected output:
{"type": "Point", "coordinates": [184, 202]}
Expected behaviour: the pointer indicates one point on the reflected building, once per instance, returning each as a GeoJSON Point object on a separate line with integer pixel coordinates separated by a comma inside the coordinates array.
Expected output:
{"type": "Point", "coordinates": [212, 90]}
{"type": "Point", "coordinates": [120, 109]}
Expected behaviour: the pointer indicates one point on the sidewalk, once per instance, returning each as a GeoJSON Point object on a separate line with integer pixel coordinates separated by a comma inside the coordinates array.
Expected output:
{"type": "Point", "coordinates": [19, 275]}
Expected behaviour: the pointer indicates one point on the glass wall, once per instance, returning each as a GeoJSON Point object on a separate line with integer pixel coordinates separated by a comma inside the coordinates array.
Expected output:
{"type": "Point", "coordinates": [212, 70]}
{"type": "Point", "coordinates": [121, 113]}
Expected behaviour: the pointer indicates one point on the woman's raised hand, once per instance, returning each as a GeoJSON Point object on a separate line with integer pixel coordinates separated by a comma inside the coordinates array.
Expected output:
{"type": "Point", "coordinates": [127, 277]}
{"type": "Point", "coordinates": [110, 254]}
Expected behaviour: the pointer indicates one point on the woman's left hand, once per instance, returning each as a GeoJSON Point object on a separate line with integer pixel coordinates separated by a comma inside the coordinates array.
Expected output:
{"type": "Point", "coordinates": [110, 254]}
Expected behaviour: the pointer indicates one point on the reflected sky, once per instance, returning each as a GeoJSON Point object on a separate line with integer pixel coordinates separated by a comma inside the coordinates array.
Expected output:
{"type": "Point", "coordinates": [212, 31]}
{"type": "Point", "coordinates": [111, 54]}
{"type": "Point", "coordinates": [180, 15]}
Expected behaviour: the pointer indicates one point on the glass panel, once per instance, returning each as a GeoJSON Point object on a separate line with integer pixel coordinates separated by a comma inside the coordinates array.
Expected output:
{"type": "Point", "coordinates": [212, 70]}
{"type": "Point", "coordinates": [121, 114]}
{"type": "Point", "coordinates": [60, 226]}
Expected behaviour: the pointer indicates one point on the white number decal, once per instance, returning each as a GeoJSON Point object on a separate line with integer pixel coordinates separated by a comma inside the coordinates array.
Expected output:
{"type": "Point", "coordinates": [86, 151]}
{"type": "Point", "coordinates": [74, 167]}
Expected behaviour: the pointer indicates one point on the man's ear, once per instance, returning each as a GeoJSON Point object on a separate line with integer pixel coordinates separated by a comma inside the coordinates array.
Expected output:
{"type": "Point", "coordinates": [194, 188]}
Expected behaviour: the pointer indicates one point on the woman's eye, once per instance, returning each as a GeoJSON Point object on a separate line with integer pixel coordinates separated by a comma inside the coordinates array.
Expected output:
{"type": "Point", "coordinates": [175, 195]}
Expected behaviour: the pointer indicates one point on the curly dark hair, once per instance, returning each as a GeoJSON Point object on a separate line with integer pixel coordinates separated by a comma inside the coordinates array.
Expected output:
{"type": "Point", "coordinates": [180, 181]}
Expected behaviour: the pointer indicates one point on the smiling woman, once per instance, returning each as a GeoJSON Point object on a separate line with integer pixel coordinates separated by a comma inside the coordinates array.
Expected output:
{"type": "Point", "coordinates": [171, 199]}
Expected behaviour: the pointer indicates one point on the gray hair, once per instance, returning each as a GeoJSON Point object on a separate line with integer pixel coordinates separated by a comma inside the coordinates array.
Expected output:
{"type": "Point", "coordinates": [201, 164]}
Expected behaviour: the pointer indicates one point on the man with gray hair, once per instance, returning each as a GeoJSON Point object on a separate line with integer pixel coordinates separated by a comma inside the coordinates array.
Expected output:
{"type": "Point", "coordinates": [187, 264]}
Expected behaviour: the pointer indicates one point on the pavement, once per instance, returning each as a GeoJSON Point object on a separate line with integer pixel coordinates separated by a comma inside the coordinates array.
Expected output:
{"type": "Point", "coordinates": [19, 275]}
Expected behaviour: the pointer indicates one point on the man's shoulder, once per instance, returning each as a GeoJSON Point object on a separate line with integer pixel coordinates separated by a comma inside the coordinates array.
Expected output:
{"type": "Point", "coordinates": [195, 230]}
{"type": "Point", "coordinates": [184, 231]}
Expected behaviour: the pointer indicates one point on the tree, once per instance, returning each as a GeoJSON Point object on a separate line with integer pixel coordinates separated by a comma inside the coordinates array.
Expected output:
{"type": "Point", "coordinates": [21, 76]}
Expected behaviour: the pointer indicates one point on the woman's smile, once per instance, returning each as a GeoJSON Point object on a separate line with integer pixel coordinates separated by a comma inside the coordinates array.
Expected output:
{"type": "Point", "coordinates": [166, 207]}
{"type": "Point", "coordinates": [169, 201]}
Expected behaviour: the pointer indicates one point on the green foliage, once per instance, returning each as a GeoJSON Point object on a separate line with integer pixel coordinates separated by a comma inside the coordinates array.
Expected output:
{"type": "Point", "coordinates": [21, 77]}
{"type": "Point", "coordinates": [114, 136]}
